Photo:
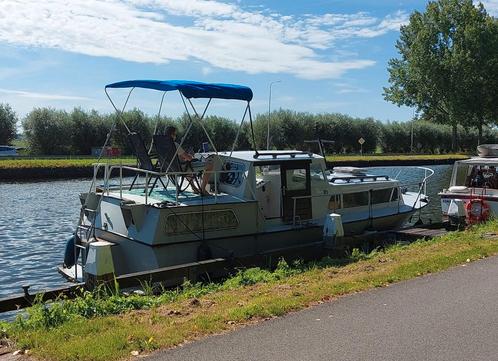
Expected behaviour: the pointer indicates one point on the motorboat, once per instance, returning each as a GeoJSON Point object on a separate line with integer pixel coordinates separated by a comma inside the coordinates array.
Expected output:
{"type": "Point", "coordinates": [472, 195]}
{"type": "Point", "coordinates": [260, 202]}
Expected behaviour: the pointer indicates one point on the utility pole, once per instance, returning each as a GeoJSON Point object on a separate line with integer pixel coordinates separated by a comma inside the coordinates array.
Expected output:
{"type": "Point", "coordinates": [411, 132]}
{"type": "Point", "coordinates": [269, 112]}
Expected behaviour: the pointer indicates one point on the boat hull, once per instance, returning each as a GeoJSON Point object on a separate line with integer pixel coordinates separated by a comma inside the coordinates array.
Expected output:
{"type": "Point", "coordinates": [132, 255]}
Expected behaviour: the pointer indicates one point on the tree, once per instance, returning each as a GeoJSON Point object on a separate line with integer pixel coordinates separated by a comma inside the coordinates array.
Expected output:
{"type": "Point", "coordinates": [8, 120]}
{"type": "Point", "coordinates": [448, 59]}
{"type": "Point", "coordinates": [48, 131]}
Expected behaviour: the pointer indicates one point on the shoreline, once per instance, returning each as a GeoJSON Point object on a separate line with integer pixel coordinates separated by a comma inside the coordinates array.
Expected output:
{"type": "Point", "coordinates": [153, 322]}
{"type": "Point", "coordinates": [26, 170]}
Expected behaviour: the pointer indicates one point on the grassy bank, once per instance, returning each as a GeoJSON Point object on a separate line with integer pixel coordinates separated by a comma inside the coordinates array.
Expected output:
{"type": "Point", "coordinates": [20, 163]}
{"type": "Point", "coordinates": [110, 328]}
{"type": "Point", "coordinates": [87, 162]}
{"type": "Point", "coordinates": [395, 157]}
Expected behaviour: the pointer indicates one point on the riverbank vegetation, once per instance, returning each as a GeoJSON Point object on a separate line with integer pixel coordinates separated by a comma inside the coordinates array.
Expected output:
{"type": "Point", "coordinates": [57, 132]}
{"type": "Point", "coordinates": [100, 327]}
{"type": "Point", "coordinates": [84, 162]}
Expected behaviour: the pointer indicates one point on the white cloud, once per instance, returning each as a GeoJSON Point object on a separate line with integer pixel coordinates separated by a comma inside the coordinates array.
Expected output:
{"type": "Point", "coordinates": [491, 6]}
{"type": "Point", "coordinates": [223, 35]}
{"type": "Point", "coordinates": [44, 96]}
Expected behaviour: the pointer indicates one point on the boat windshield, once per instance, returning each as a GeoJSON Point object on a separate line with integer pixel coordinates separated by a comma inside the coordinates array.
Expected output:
{"type": "Point", "coordinates": [478, 176]}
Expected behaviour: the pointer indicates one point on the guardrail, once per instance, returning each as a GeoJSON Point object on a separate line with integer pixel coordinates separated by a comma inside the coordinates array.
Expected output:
{"type": "Point", "coordinates": [148, 174]}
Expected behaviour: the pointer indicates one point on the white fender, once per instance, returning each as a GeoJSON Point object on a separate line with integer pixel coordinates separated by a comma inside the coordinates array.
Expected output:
{"type": "Point", "coordinates": [332, 228]}
{"type": "Point", "coordinates": [99, 260]}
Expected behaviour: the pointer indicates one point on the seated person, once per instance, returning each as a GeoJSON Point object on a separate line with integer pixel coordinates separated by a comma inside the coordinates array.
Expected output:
{"type": "Point", "coordinates": [479, 180]}
{"type": "Point", "coordinates": [186, 157]}
{"type": "Point", "coordinates": [492, 180]}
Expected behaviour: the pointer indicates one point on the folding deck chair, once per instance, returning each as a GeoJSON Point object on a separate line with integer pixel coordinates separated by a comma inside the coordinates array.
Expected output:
{"type": "Point", "coordinates": [143, 159]}
{"type": "Point", "coordinates": [166, 151]}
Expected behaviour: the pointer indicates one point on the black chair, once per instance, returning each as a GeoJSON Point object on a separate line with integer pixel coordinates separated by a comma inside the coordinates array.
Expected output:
{"type": "Point", "coordinates": [144, 162]}
{"type": "Point", "coordinates": [165, 149]}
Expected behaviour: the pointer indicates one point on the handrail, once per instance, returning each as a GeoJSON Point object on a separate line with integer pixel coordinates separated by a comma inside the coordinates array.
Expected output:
{"type": "Point", "coordinates": [423, 184]}
{"type": "Point", "coordinates": [109, 171]}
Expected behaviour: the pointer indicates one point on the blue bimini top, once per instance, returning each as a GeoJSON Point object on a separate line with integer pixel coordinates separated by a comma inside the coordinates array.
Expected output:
{"type": "Point", "coordinates": [190, 89]}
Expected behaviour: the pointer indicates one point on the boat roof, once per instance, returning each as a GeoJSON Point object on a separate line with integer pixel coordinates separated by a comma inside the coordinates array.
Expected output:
{"type": "Point", "coordinates": [266, 157]}
{"type": "Point", "coordinates": [480, 161]}
{"type": "Point", "coordinates": [190, 89]}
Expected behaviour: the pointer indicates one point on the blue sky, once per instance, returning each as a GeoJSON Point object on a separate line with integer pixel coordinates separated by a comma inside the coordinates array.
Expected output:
{"type": "Point", "coordinates": [330, 55]}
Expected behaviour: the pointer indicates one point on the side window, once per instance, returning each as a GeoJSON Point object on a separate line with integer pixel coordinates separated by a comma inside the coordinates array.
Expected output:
{"type": "Point", "coordinates": [335, 202]}
{"type": "Point", "coordinates": [395, 194]}
{"type": "Point", "coordinates": [351, 200]}
{"type": "Point", "coordinates": [381, 195]}
{"type": "Point", "coordinates": [296, 179]}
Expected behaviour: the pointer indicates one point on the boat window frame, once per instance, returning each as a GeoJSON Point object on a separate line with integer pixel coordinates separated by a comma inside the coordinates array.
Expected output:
{"type": "Point", "coordinates": [345, 206]}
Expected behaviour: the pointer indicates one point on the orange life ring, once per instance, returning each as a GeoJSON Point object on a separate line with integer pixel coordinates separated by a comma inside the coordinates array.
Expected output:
{"type": "Point", "coordinates": [477, 211]}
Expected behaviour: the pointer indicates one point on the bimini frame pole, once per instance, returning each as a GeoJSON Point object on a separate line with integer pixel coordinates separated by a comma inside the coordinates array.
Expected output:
{"type": "Point", "coordinates": [157, 122]}
{"type": "Point", "coordinates": [238, 130]}
{"type": "Point", "coordinates": [201, 124]}
{"type": "Point", "coordinates": [191, 121]}
{"type": "Point", "coordinates": [118, 112]}
{"type": "Point", "coordinates": [256, 154]}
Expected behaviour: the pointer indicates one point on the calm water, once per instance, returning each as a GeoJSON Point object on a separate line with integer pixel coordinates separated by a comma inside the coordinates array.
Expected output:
{"type": "Point", "coordinates": [36, 218]}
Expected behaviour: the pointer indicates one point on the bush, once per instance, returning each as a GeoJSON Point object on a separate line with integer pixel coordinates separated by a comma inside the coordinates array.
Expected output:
{"type": "Point", "coordinates": [8, 120]}
{"type": "Point", "coordinates": [48, 131]}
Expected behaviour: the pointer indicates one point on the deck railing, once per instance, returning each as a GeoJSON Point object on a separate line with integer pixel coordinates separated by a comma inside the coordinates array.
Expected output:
{"type": "Point", "coordinates": [110, 170]}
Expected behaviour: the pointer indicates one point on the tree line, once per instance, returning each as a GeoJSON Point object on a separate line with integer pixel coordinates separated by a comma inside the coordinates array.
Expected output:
{"type": "Point", "coordinates": [50, 131]}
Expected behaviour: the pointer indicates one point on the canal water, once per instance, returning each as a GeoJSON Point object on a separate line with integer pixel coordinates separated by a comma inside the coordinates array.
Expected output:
{"type": "Point", "coordinates": [37, 218]}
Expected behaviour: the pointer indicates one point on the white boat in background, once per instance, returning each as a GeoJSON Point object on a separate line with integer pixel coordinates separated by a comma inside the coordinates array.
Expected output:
{"type": "Point", "coordinates": [261, 202]}
{"type": "Point", "coordinates": [472, 195]}
{"type": "Point", "coordinates": [8, 151]}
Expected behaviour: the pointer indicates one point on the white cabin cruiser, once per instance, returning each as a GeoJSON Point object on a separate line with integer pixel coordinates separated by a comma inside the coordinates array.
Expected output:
{"type": "Point", "coordinates": [472, 195]}
{"type": "Point", "coordinates": [260, 202]}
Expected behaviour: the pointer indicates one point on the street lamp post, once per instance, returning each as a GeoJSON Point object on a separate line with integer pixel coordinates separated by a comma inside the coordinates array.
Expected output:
{"type": "Point", "coordinates": [269, 112]}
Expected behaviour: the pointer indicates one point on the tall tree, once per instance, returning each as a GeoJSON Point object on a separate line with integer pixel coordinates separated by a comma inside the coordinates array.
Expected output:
{"type": "Point", "coordinates": [8, 120]}
{"type": "Point", "coordinates": [447, 65]}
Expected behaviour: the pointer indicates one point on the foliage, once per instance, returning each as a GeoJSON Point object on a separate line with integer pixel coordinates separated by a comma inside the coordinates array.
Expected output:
{"type": "Point", "coordinates": [448, 64]}
{"type": "Point", "coordinates": [47, 131]}
{"type": "Point", "coordinates": [8, 120]}
{"type": "Point", "coordinates": [201, 309]}
{"type": "Point", "coordinates": [53, 132]}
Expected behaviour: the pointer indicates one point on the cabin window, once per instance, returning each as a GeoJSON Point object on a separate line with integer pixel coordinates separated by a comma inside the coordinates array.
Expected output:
{"type": "Point", "coordinates": [316, 172]}
{"type": "Point", "coordinates": [197, 221]}
{"type": "Point", "coordinates": [480, 176]}
{"type": "Point", "coordinates": [381, 195]}
{"type": "Point", "coordinates": [351, 200]}
{"type": "Point", "coordinates": [335, 202]}
{"type": "Point", "coordinates": [296, 179]}
{"type": "Point", "coordinates": [395, 194]}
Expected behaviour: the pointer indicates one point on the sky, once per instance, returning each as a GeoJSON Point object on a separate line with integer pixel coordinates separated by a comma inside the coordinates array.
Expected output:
{"type": "Point", "coordinates": [323, 55]}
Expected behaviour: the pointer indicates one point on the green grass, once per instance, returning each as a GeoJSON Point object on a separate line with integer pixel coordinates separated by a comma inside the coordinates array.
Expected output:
{"type": "Point", "coordinates": [109, 327]}
{"type": "Point", "coordinates": [57, 162]}
{"type": "Point", "coordinates": [390, 157]}
{"type": "Point", "coordinates": [60, 162]}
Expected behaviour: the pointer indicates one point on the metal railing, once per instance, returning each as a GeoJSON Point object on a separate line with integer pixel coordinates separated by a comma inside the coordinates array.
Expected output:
{"type": "Point", "coordinates": [148, 174]}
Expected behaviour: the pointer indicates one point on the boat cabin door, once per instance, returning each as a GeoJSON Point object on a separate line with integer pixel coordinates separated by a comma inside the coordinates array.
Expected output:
{"type": "Point", "coordinates": [296, 191]}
